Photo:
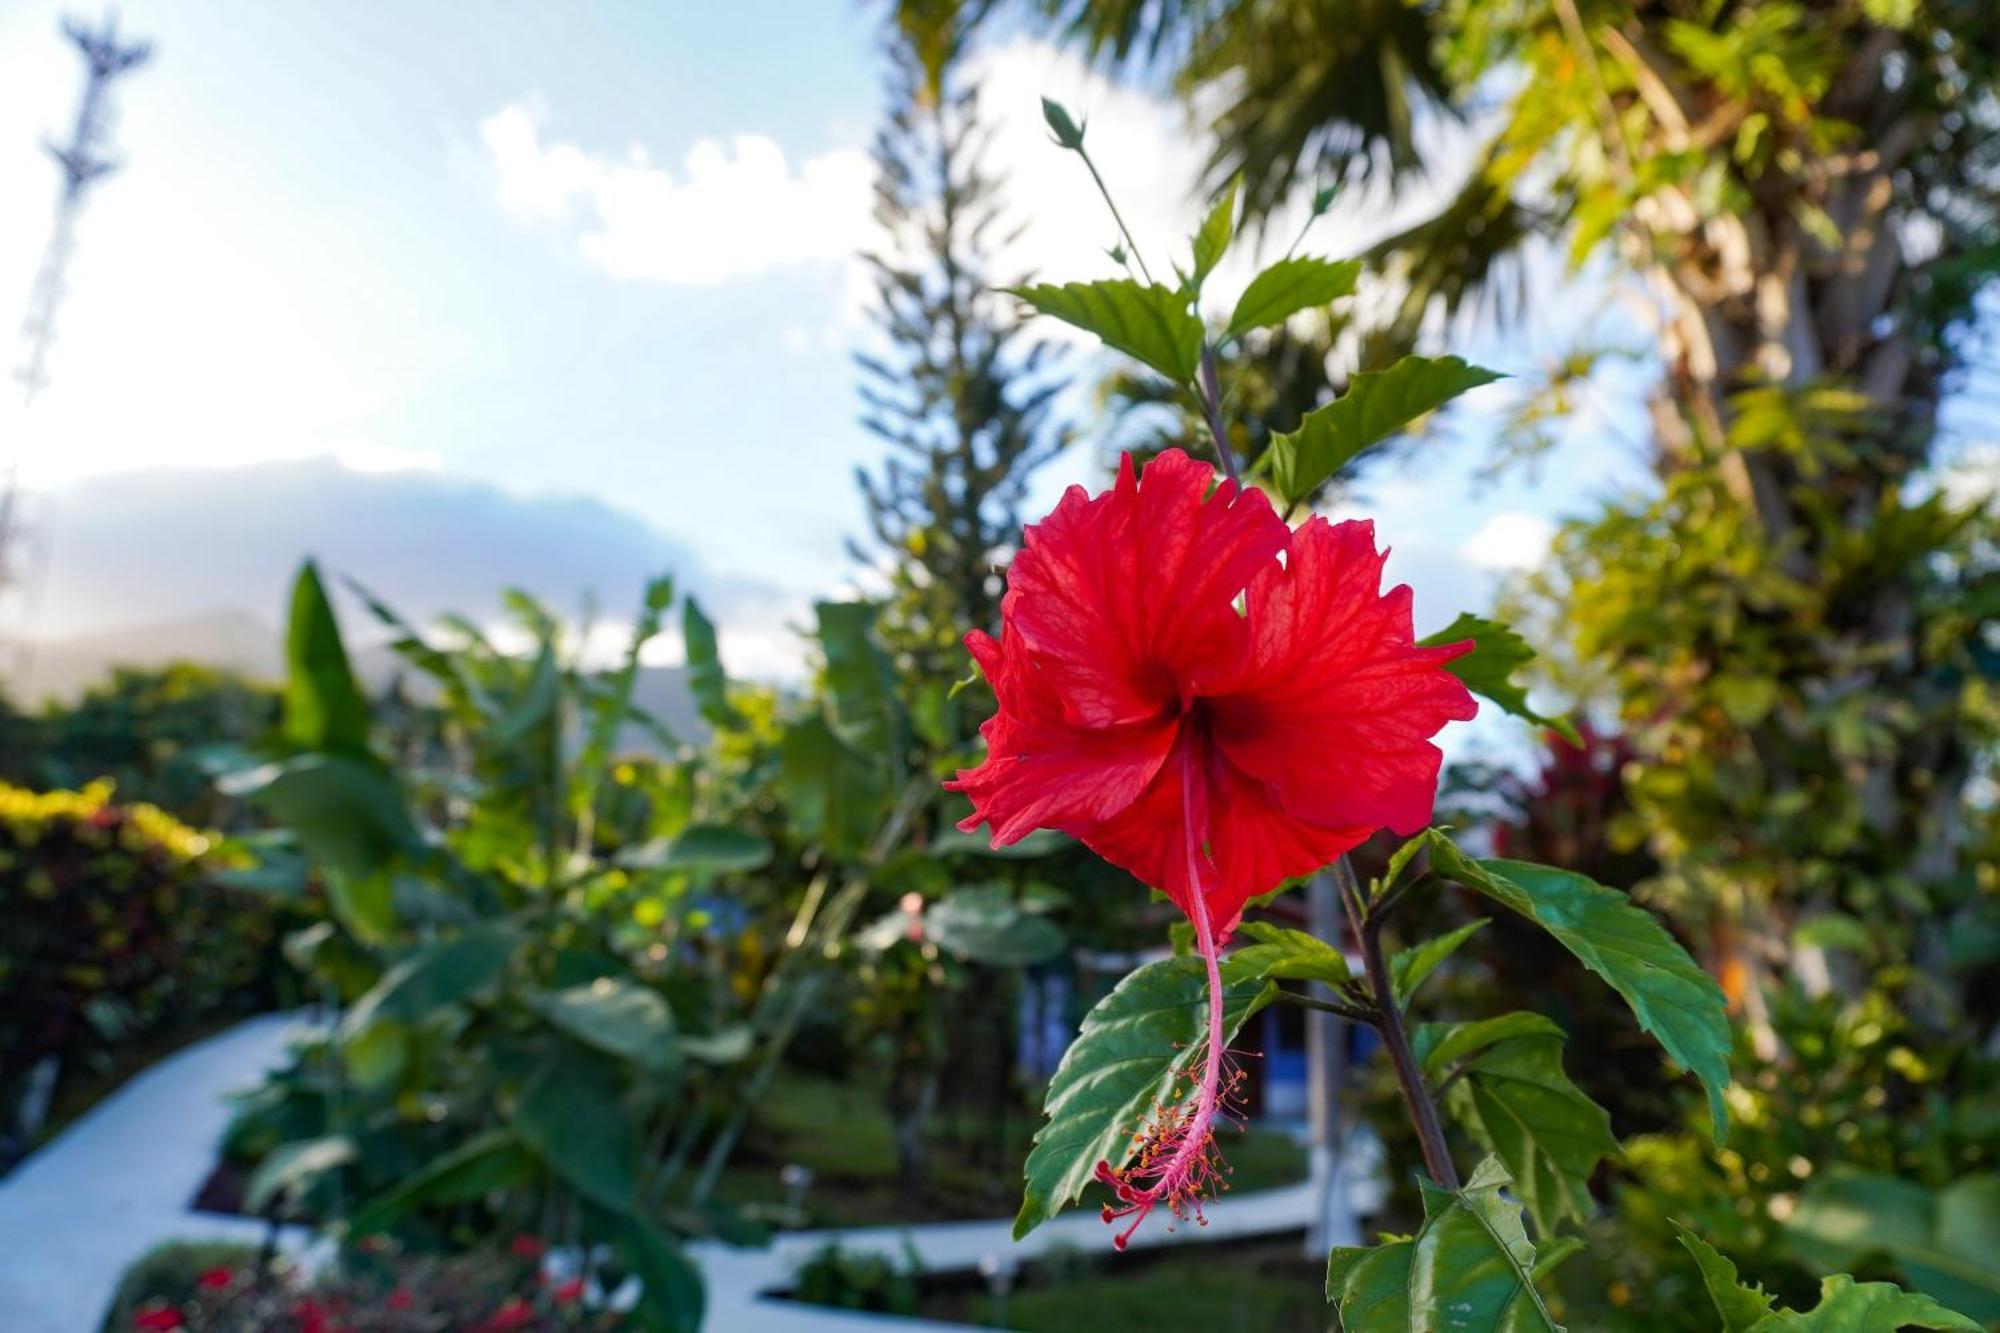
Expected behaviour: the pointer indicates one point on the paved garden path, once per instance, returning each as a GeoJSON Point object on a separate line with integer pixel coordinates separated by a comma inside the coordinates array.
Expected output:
{"type": "Point", "coordinates": [119, 1182]}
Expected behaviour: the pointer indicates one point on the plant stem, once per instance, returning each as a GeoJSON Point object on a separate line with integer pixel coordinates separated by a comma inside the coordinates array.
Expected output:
{"type": "Point", "coordinates": [1116, 216]}
{"type": "Point", "coordinates": [1209, 390]}
{"type": "Point", "coordinates": [1416, 1095]}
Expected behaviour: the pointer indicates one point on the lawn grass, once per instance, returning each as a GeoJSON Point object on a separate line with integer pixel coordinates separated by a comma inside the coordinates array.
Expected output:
{"type": "Point", "coordinates": [840, 1131]}
{"type": "Point", "coordinates": [1267, 1286]}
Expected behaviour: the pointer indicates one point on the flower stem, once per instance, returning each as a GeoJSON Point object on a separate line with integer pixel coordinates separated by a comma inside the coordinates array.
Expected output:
{"type": "Point", "coordinates": [1416, 1093]}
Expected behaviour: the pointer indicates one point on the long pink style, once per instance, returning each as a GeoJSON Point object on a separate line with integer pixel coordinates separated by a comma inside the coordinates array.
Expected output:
{"type": "Point", "coordinates": [1177, 1161]}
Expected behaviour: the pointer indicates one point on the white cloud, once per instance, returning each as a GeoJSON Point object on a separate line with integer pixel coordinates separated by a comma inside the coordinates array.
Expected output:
{"type": "Point", "coordinates": [734, 210]}
{"type": "Point", "coordinates": [1509, 541]}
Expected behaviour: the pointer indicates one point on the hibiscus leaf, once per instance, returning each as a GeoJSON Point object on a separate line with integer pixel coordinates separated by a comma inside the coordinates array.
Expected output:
{"type": "Point", "coordinates": [1377, 404]}
{"type": "Point", "coordinates": [1143, 320]}
{"type": "Point", "coordinates": [1289, 286]}
{"type": "Point", "coordinates": [1285, 955]}
{"type": "Point", "coordinates": [1624, 944]}
{"type": "Point", "coordinates": [1509, 1092]}
{"type": "Point", "coordinates": [1470, 1265]}
{"type": "Point", "coordinates": [1742, 1308]}
{"type": "Point", "coordinates": [1217, 230]}
{"type": "Point", "coordinates": [1131, 1053]}
{"type": "Point", "coordinates": [1845, 1306]}
{"type": "Point", "coordinates": [1488, 670]}
{"type": "Point", "coordinates": [1412, 967]}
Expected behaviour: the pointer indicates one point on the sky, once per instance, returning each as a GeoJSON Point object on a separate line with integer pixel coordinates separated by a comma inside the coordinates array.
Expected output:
{"type": "Point", "coordinates": [563, 298]}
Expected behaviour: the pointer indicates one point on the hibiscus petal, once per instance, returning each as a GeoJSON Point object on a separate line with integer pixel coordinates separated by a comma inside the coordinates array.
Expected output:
{"type": "Point", "coordinates": [1246, 842]}
{"type": "Point", "coordinates": [1334, 704]}
{"type": "Point", "coordinates": [1128, 595]}
{"type": "Point", "coordinates": [1041, 770]}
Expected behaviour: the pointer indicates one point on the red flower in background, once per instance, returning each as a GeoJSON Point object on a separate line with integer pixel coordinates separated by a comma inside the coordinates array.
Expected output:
{"type": "Point", "coordinates": [215, 1279]}
{"type": "Point", "coordinates": [159, 1318]}
{"type": "Point", "coordinates": [1211, 701]}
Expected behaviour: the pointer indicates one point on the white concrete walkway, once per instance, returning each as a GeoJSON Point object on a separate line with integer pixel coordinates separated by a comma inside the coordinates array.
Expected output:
{"type": "Point", "coordinates": [120, 1180]}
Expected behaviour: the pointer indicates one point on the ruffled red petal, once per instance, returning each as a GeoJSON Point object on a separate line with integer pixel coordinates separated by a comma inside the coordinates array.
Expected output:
{"type": "Point", "coordinates": [1127, 597]}
{"type": "Point", "coordinates": [1334, 706]}
{"type": "Point", "coordinates": [1251, 844]}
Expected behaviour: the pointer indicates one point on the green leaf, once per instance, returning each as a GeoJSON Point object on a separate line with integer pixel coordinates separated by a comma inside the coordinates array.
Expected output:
{"type": "Point", "coordinates": [1217, 230]}
{"type": "Point", "coordinates": [291, 1169]}
{"type": "Point", "coordinates": [702, 847]}
{"type": "Point", "coordinates": [617, 1016]}
{"type": "Point", "coordinates": [985, 924]}
{"type": "Point", "coordinates": [1289, 286]}
{"type": "Point", "coordinates": [1943, 1242]}
{"type": "Point", "coordinates": [570, 1113]}
{"type": "Point", "coordinates": [1845, 1306]}
{"type": "Point", "coordinates": [1376, 405]}
{"type": "Point", "coordinates": [349, 818]}
{"type": "Point", "coordinates": [487, 1162]}
{"type": "Point", "coordinates": [1142, 320]}
{"type": "Point", "coordinates": [1509, 1092]}
{"type": "Point", "coordinates": [377, 1054]}
{"type": "Point", "coordinates": [833, 794]}
{"type": "Point", "coordinates": [706, 681]}
{"type": "Point", "coordinates": [1742, 1308]}
{"type": "Point", "coordinates": [671, 1300]}
{"type": "Point", "coordinates": [723, 1047]}
{"type": "Point", "coordinates": [435, 975]}
{"type": "Point", "coordinates": [860, 683]}
{"type": "Point", "coordinates": [1624, 944]}
{"type": "Point", "coordinates": [324, 711]}
{"type": "Point", "coordinates": [1410, 968]}
{"type": "Point", "coordinates": [1285, 955]}
{"type": "Point", "coordinates": [1488, 670]}
{"type": "Point", "coordinates": [1129, 1055]}
{"type": "Point", "coordinates": [1470, 1266]}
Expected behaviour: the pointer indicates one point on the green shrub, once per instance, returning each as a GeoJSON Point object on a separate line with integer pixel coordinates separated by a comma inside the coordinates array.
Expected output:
{"type": "Point", "coordinates": [116, 939]}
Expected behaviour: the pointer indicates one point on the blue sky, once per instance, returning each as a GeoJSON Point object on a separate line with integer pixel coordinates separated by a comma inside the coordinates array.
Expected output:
{"type": "Point", "coordinates": [555, 263]}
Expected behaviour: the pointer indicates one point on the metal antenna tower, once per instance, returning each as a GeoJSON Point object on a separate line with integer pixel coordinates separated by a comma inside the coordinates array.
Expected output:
{"type": "Point", "coordinates": [83, 162]}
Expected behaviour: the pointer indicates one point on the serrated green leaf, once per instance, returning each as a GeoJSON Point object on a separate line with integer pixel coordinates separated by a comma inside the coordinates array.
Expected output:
{"type": "Point", "coordinates": [1411, 967]}
{"type": "Point", "coordinates": [1510, 1093]}
{"type": "Point", "coordinates": [1142, 320]}
{"type": "Point", "coordinates": [1470, 1266]}
{"type": "Point", "coordinates": [1742, 1308]}
{"type": "Point", "coordinates": [1285, 955]}
{"type": "Point", "coordinates": [1217, 230]}
{"type": "Point", "coordinates": [324, 710]}
{"type": "Point", "coordinates": [1289, 286]}
{"type": "Point", "coordinates": [706, 680]}
{"type": "Point", "coordinates": [1847, 1306]}
{"type": "Point", "coordinates": [1943, 1242]}
{"type": "Point", "coordinates": [1129, 1055]}
{"type": "Point", "coordinates": [1488, 670]}
{"type": "Point", "coordinates": [616, 1015]}
{"type": "Point", "coordinates": [1624, 944]}
{"type": "Point", "coordinates": [1377, 404]}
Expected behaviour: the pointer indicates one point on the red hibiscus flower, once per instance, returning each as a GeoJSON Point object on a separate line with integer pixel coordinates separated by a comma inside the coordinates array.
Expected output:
{"type": "Point", "coordinates": [159, 1318]}
{"type": "Point", "coordinates": [215, 1279]}
{"type": "Point", "coordinates": [1212, 701]}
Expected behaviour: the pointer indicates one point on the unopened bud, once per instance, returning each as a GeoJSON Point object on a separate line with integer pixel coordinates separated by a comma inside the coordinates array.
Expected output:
{"type": "Point", "coordinates": [1068, 133]}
